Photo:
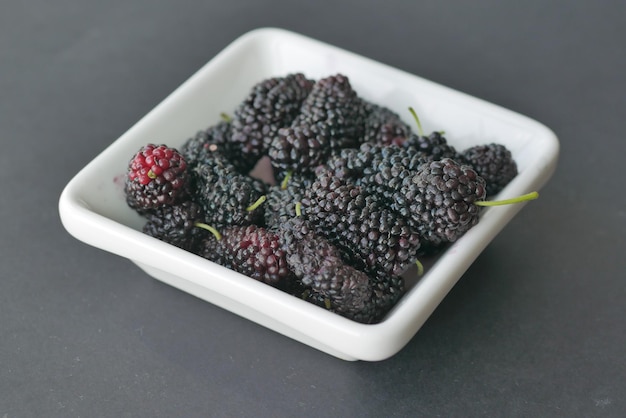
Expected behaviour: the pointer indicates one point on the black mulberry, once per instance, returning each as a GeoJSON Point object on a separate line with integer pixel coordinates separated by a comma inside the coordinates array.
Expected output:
{"type": "Point", "coordinates": [371, 235]}
{"type": "Point", "coordinates": [272, 104]}
{"type": "Point", "coordinates": [282, 199]}
{"type": "Point", "coordinates": [384, 126]}
{"type": "Point", "coordinates": [227, 196]}
{"type": "Point", "coordinates": [176, 224]}
{"type": "Point", "coordinates": [328, 281]}
{"type": "Point", "coordinates": [216, 139]}
{"type": "Point", "coordinates": [333, 103]}
{"type": "Point", "coordinates": [299, 148]}
{"type": "Point", "coordinates": [441, 197]}
{"type": "Point", "coordinates": [251, 250]}
{"type": "Point", "coordinates": [494, 163]}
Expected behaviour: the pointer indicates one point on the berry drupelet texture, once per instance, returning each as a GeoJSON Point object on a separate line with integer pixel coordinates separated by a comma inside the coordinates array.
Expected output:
{"type": "Point", "coordinates": [387, 167]}
{"type": "Point", "coordinates": [328, 281]}
{"type": "Point", "coordinates": [282, 198]}
{"type": "Point", "coordinates": [251, 250]}
{"type": "Point", "coordinates": [494, 163]}
{"type": "Point", "coordinates": [272, 104]}
{"type": "Point", "coordinates": [227, 196]}
{"type": "Point", "coordinates": [176, 224]}
{"type": "Point", "coordinates": [441, 197]}
{"type": "Point", "coordinates": [334, 104]}
{"type": "Point", "coordinates": [369, 234]}
{"type": "Point", "coordinates": [157, 175]}
{"type": "Point", "coordinates": [369, 159]}
{"type": "Point", "coordinates": [299, 148]}
{"type": "Point", "coordinates": [384, 126]}
{"type": "Point", "coordinates": [434, 146]}
{"type": "Point", "coordinates": [439, 211]}
{"type": "Point", "coordinates": [206, 141]}
{"type": "Point", "coordinates": [216, 139]}
{"type": "Point", "coordinates": [346, 163]}
{"type": "Point", "coordinates": [387, 289]}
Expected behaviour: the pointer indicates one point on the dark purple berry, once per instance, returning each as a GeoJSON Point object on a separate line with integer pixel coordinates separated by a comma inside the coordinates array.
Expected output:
{"type": "Point", "coordinates": [227, 196]}
{"type": "Point", "coordinates": [494, 163]}
{"type": "Point", "coordinates": [250, 250]}
{"type": "Point", "coordinates": [335, 105]}
{"type": "Point", "coordinates": [176, 224]}
{"type": "Point", "coordinates": [441, 197]}
{"type": "Point", "coordinates": [272, 104]}
{"type": "Point", "coordinates": [325, 277]}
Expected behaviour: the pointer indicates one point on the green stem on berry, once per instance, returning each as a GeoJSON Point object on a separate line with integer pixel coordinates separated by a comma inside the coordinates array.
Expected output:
{"type": "Point", "coordinates": [225, 117]}
{"type": "Point", "coordinates": [420, 268]}
{"type": "Point", "coordinates": [209, 228]}
{"type": "Point", "coordinates": [327, 303]}
{"type": "Point", "coordinates": [420, 131]}
{"type": "Point", "coordinates": [283, 184]}
{"type": "Point", "coordinates": [298, 209]}
{"type": "Point", "coordinates": [256, 204]}
{"type": "Point", "coordinates": [523, 198]}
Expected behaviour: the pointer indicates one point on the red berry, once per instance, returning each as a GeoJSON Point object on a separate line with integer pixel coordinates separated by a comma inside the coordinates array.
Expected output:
{"type": "Point", "coordinates": [157, 175]}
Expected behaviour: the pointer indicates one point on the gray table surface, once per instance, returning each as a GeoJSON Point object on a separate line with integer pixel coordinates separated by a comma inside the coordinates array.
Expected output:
{"type": "Point", "coordinates": [536, 327]}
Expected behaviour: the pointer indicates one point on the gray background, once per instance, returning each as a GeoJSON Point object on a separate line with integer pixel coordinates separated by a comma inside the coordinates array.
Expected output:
{"type": "Point", "coordinates": [536, 327]}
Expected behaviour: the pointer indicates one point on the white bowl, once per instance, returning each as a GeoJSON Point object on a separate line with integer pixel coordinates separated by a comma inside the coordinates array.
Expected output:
{"type": "Point", "coordinates": [93, 209]}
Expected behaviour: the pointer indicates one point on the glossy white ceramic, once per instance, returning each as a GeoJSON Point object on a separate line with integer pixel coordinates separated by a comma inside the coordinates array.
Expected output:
{"type": "Point", "coordinates": [93, 209]}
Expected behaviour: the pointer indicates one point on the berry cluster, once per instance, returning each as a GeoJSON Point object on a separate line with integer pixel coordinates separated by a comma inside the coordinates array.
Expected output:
{"type": "Point", "coordinates": [358, 195]}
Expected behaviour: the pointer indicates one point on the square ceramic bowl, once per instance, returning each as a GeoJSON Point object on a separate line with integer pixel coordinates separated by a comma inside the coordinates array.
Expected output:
{"type": "Point", "coordinates": [93, 209]}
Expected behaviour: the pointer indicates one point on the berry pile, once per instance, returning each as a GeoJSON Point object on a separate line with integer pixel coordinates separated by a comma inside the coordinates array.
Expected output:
{"type": "Point", "coordinates": [358, 196]}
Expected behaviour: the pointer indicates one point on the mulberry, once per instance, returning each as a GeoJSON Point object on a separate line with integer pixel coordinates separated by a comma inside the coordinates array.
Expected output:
{"type": "Point", "coordinates": [318, 266]}
{"type": "Point", "coordinates": [251, 250]}
{"type": "Point", "coordinates": [282, 198]}
{"type": "Point", "coordinates": [494, 163]}
{"type": "Point", "coordinates": [176, 224]}
{"type": "Point", "coordinates": [441, 196]}
{"type": "Point", "coordinates": [299, 148]}
{"type": "Point", "coordinates": [216, 139]}
{"type": "Point", "coordinates": [334, 104]}
{"type": "Point", "coordinates": [272, 104]}
{"type": "Point", "coordinates": [157, 175]}
{"type": "Point", "coordinates": [384, 126]}
{"type": "Point", "coordinates": [227, 196]}
{"type": "Point", "coordinates": [358, 222]}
